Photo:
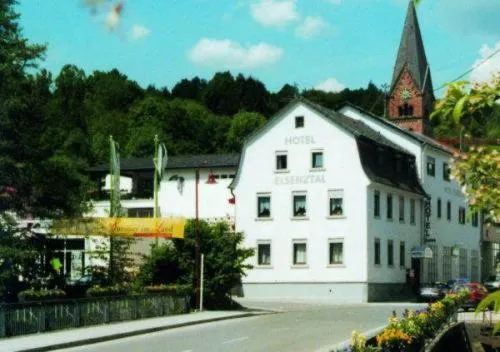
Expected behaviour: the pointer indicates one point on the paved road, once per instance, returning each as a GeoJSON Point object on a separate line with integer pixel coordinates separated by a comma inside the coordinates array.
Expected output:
{"type": "Point", "coordinates": [297, 327]}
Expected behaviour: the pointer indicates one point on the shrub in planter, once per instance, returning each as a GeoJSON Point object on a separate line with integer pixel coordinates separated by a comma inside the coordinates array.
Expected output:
{"type": "Point", "coordinates": [173, 289]}
{"type": "Point", "coordinates": [32, 295]}
{"type": "Point", "coordinates": [106, 291]}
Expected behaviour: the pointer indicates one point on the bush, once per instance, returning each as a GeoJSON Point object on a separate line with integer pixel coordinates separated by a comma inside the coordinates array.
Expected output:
{"type": "Point", "coordinates": [225, 263]}
{"type": "Point", "coordinates": [174, 289]}
{"type": "Point", "coordinates": [32, 295]}
{"type": "Point", "coordinates": [106, 291]}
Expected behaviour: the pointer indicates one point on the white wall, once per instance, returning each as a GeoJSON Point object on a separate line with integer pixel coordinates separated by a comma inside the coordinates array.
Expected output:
{"type": "Point", "coordinates": [101, 208]}
{"type": "Point", "coordinates": [213, 199]}
{"type": "Point", "coordinates": [447, 233]}
{"type": "Point", "coordinates": [342, 171]}
{"type": "Point", "coordinates": [384, 229]}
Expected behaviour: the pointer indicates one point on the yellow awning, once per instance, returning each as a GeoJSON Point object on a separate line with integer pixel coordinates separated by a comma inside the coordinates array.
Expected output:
{"type": "Point", "coordinates": [134, 227]}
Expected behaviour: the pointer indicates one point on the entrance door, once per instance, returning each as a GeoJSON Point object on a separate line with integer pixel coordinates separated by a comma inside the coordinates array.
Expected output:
{"type": "Point", "coordinates": [415, 269]}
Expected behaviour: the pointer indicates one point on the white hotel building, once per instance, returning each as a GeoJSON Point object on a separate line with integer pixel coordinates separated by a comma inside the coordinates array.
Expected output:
{"type": "Point", "coordinates": [350, 206]}
{"type": "Point", "coordinates": [335, 207]}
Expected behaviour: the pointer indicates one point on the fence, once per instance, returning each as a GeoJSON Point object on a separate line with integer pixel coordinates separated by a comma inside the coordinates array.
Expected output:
{"type": "Point", "coordinates": [28, 318]}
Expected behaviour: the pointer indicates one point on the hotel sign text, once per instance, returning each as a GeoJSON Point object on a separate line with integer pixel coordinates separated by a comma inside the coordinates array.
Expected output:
{"type": "Point", "coordinates": [299, 140]}
{"type": "Point", "coordinates": [299, 180]}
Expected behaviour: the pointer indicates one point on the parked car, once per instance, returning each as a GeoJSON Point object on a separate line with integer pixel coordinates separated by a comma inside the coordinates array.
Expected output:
{"type": "Point", "coordinates": [433, 291]}
{"type": "Point", "coordinates": [77, 288]}
{"type": "Point", "coordinates": [492, 283]}
{"type": "Point", "coordinates": [453, 282]}
{"type": "Point", "coordinates": [476, 293]}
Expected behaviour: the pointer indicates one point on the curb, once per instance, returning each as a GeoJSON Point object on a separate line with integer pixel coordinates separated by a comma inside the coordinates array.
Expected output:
{"type": "Point", "coordinates": [135, 333]}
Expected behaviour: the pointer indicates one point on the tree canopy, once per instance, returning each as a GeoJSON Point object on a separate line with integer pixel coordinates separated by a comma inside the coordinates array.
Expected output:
{"type": "Point", "coordinates": [478, 169]}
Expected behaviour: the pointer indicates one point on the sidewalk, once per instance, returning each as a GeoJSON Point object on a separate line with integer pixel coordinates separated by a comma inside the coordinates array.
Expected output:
{"type": "Point", "coordinates": [99, 333]}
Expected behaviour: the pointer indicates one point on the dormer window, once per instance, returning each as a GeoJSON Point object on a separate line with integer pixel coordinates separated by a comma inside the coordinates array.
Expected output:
{"type": "Point", "coordinates": [446, 172]}
{"type": "Point", "coordinates": [299, 121]}
{"type": "Point", "coordinates": [431, 166]}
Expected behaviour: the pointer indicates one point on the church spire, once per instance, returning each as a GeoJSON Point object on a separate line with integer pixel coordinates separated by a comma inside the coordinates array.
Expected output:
{"type": "Point", "coordinates": [411, 95]}
{"type": "Point", "coordinates": [411, 52]}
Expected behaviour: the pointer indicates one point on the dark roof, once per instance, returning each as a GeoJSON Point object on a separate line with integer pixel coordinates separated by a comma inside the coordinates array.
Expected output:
{"type": "Point", "coordinates": [174, 162]}
{"type": "Point", "coordinates": [422, 139]}
{"type": "Point", "coordinates": [411, 54]}
{"type": "Point", "coordinates": [356, 127]}
{"type": "Point", "coordinates": [388, 168]}
{"type": "Point", "coordinates": [379, 156]}
{"type": "Point", "coordinates": [371, 144]}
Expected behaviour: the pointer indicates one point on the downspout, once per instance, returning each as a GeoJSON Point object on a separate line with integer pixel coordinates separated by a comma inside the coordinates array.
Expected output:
{"type": "Point", "coordinates": [422, 211]}
{"type": "Point", "coordinates": [234, 215]}
{"type": "Point", "coordinates": [422, 205]}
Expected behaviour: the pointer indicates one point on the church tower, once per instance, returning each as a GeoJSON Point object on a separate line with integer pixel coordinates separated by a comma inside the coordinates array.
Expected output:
{"type": "Point", "coordinates": [411, 96]}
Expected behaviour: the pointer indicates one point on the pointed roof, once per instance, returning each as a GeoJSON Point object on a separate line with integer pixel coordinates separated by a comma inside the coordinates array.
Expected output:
{"type": "Point", "coordinates": [411, 53]}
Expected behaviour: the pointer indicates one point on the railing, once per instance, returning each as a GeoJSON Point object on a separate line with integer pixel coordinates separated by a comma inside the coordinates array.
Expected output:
{"type": "Point", "coordinates": [28, 318]}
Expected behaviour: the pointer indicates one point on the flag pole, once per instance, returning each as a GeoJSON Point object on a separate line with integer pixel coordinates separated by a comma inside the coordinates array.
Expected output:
{"type": "Point", "coordinates": [155, 183]}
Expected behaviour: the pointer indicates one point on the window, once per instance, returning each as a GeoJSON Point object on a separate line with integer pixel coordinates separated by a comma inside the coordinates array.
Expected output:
{"type": "Point", "coordinates": [263, 206]}
{"type": "Point", "coordinates": [446, 172]}
{"type": "Point", "coordinates": [432, 264]}
{"type": "Point", "coordinates": [448, 210]}
{"type": "Point", "coordinates": [389, 206]}
{"type": "Point", "coordinates": [281, 161]}
{"type": "Point", "coordinates": [336, 252]}
{"type": "Point", "coordinates": [299, 205]}
{"type": "Point", "coordinates": [405, 110]}
{"type": "Point", "coordinates": [474, 266]}
{"type": "Point", "coordinates": [439, 208]}
{"type": "Point", "coordinates": [317, 160]}
{"type": "Point", "coordinates": [463, 262]}
{"type": "Point", "coordinates": [299, 253]}
{"type": "Point", "coordinates": [461, 215]}
{"type": "Point", "coordinates": [299, 121]}
{"type": "Point", "coordinates": [402, 254]}
{"type": "Point", "coordinates": [412, 211]}
{"type": "Point", "coordinates": [475, 219]}
{"type": "Point", "coordinates": [401, 208]}
{"type": "Point", "coordinates": [390, 253]}
{"type": "Point", "coordinates": [336, 202]}
{"type": "Point", "coordinates": [431, 166]}
{"type": "Point", "coordinates": [447, 264]}
{"type": "Point", "coordinates": [377, 251]}
{"type": "Point", "coordinates": [376, 204]}
{"type": "Point", "coordinates": [140, 212]}
{"type": "Point", "coordinates": [399, 164]}
{"type": "Point", "coordinates": [264, 253]}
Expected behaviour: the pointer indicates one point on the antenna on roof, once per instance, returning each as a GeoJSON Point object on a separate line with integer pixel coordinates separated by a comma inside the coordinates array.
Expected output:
{"type": "Point", "coordinates": [384, 87]}
{"type": "Point", "coordinates": [296, 86]}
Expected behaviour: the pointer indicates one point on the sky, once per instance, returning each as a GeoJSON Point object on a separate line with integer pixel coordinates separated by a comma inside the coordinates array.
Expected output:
{"type": "Point", "coordinates": [323, 44]}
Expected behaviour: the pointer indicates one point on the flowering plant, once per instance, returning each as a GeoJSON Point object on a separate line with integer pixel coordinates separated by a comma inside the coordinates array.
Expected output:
{"type": "Point", "coordinates": [393, 339]}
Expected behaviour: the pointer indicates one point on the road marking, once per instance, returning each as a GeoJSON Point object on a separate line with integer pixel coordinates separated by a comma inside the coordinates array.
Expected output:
{"type": "Point", "coordinates": [238, 339]}
{"type": "Point", "coordinates": [188, 351]}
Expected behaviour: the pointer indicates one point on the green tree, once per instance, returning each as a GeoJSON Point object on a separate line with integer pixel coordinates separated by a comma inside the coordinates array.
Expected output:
{"type": "Point", "coordinates": [190, 89]}
{"type": "Point", "coordinates": [254, 95]}
{"type": "Point", "coordinates": [222, 94]}
{"type": "Point", "coordinates": [477, 171]}
{"type": "Point", "coordinates": [242, 125]}
{"type": "Point", "coordinates": [225, 261]}
{"type": "Point", "coordinates": [110, 96]}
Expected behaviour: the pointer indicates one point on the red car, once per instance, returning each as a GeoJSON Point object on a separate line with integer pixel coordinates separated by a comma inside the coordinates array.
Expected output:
{"type": "Point", "coordinates": [476, 294]}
